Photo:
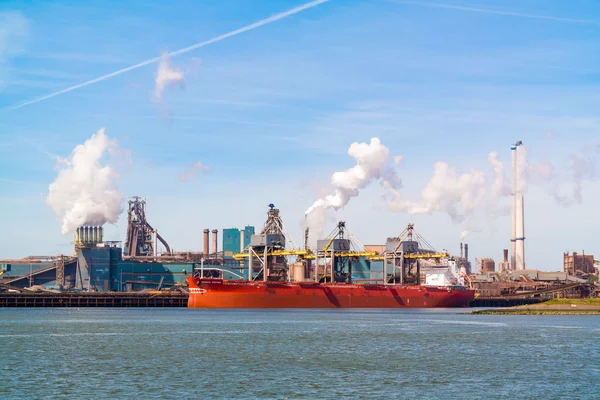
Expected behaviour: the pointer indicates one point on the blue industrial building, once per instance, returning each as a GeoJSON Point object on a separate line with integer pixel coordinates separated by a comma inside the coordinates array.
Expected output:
{"type": "Point", "coordinates": [98, 268]}
{"type": "Point", "coordinates": [248, 232]}
{"type": "Point", "coordinates": [232, 240]}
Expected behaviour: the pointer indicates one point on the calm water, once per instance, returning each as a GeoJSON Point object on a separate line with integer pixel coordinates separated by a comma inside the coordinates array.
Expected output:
{"type": "Point", "coordinates": [189, 354]}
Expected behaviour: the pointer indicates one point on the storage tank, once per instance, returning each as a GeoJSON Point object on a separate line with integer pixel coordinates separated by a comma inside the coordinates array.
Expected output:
{"type": "Point", "coordinates": [487, 265]}
{"type": "Point", "coordinates": [297, 272]}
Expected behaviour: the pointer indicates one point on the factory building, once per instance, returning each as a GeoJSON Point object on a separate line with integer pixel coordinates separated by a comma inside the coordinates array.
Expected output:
{"type": "Point", "coordinates": [98, 268]}
{"type": "Point", "coordinates": [580, 265]}
{"type": "Point", "coordinates": [231, 242]}
{"type": "Point", "coordinates": [236, 240]}
{"type": "Point", "coordinates": [247, 235]}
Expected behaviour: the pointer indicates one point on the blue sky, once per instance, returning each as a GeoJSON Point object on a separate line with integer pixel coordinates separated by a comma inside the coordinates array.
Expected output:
{"type": "Point", "coordinates": [273, 110]}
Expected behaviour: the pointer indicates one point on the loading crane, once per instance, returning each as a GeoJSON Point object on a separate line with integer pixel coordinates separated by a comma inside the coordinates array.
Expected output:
{"type": "Point", "coordinates": [269, 251]}
{"type": "Point", "coordinates": [403, 254]}
{"type": "Point", "coordinates": [338, 251]}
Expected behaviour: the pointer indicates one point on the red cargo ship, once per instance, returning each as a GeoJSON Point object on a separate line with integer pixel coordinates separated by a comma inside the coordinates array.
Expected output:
{"type": "Point", "coordinates": [219, 293]}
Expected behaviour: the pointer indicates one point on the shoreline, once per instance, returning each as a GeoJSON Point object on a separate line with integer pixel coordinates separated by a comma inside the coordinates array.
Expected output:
{"type": "Point", "coordinates": [552, 307]}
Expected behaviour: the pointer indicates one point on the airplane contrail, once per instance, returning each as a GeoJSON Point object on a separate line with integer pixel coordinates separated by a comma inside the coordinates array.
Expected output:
{"type": "Point", "coordinates": [498, 12]}
{"type": "Point", "coordinates": [250, 27]}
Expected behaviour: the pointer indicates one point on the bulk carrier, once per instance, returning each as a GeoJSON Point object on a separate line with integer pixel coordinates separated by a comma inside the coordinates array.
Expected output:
{"type": "Point", "coordinates": [341, 273]}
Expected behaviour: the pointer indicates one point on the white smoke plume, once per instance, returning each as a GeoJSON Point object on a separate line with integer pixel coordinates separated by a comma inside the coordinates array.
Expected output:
{"type": "Point", "coordinates": [584, 167]}
{"type": "Point", "coordinates": [85, 191]}
{"type": "Point", "coordinates": [457, 194]}
{"type": "Point", "coordinates": [447, 191]}
{"type": "Point", "coordinates": [500, 188]}
{"type": "Point", "coordinates": [501, 185]}
{"type": "Point", "coordinates": [565, 185]}
{"type": "Point", "coordinates": [372, 164]}
{"type": "Point", "coordinates": [165, 75]}
{"type": "Point", "coordinates": [467, 232]}
{"type": "Point", "coordinates": [191, 171]}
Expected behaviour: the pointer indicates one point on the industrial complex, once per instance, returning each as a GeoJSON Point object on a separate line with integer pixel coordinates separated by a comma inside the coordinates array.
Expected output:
{"type": "Point", "coordinates": [269, 254]}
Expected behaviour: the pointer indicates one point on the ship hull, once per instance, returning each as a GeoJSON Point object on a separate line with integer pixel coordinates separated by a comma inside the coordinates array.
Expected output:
{"type": "Point", "coordinates": [217, 293]}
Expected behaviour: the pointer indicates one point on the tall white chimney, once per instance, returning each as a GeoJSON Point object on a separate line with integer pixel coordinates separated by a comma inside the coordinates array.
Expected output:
{"type": "Point", "coordinates": [518, 212]}
{"type": "Point", "coordinates": [513, 221]}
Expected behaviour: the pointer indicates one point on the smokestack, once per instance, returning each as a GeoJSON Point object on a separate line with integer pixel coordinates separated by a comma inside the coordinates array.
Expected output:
{"type": "Point", "coordinates": [505, 255]}
{"type": "Point", "coordinates": [101, 235]}
{"type": "Point", "coordinates": [513, 226]}
{"type": "Point", "coordinates": [95, 234]}
{"type": "Point", "coordinates": [242, 232]}
{"type": "Point", "coordinates": [206, 250]}
{"type": "Point", "coordinates": [461, 250]}
{"type": "Point", "coordinates": [467, 258]}
{"type": "Point", "coordinates": [214, 241]}
{"type": "Point", "coordinates": [520, 231]}
{"type": "Point", "coordinates": [518, 209]}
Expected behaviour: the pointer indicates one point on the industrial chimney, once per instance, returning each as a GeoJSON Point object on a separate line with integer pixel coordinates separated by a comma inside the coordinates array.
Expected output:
{"type": "Point", "coordinates": [214, 241]}
{"type": "Point", "coordinates": [518, 212]}
{"type": "Point", "coordinates": [467, 259]}
{"type": "Point", "coordinates": [206, 250]}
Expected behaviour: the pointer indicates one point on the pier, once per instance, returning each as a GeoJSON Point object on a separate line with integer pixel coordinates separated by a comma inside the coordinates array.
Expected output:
{"type": "Point", "coordinates": [92, 300]}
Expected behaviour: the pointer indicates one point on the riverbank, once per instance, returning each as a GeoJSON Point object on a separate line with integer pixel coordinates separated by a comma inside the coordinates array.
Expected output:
{"type": "Point", "coordinates": [552, 307]}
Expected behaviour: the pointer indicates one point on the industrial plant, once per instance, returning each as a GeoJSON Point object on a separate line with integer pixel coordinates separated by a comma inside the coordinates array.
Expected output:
{"type": "Point", "coordinates": [98, 265]}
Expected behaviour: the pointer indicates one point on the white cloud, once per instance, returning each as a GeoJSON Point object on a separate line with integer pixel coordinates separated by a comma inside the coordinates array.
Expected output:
{"type": "Point", "coordinates": [192, 171]}
{"type": "Point", "coordinates": [166, 75]}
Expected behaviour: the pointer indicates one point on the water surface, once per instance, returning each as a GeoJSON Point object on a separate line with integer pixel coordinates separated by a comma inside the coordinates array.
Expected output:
{"type": "Point", "coordinates": [194, 354]}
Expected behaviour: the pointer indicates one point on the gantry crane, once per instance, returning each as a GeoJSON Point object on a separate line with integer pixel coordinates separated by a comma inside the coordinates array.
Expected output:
{"type": "Point", "coordinates": [403, 255]}
{"type": "Point", "coordinates": [338, 251]}
{"type": "Point", "coordinates": [267, 252]}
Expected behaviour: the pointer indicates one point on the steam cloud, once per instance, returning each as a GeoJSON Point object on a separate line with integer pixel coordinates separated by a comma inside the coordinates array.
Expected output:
{"type": "Point", "coordinates": [372, 164]}
{"type": "Point", "coordinates": [458, 194]}
{"type": "Point", "coordinates": [465, 233]}
{"type": "Point", "coordinates": [448, 191]}
{"type": "Point", "coordinates": [462, 194]}
{"type": "Point", "coordinates": [165, 75]}
{"type": "Point", "coordinates": [85, 192]}
{"type": "Point", "coordinates": [191, 171]}
{"type": "Point", "coordinates": [582, 167]}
